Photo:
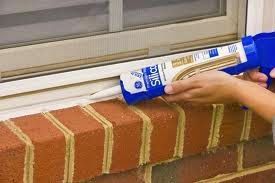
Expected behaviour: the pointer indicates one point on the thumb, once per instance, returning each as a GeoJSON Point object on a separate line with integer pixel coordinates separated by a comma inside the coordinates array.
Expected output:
{"type": "Point", "coordinates": [272, 73]}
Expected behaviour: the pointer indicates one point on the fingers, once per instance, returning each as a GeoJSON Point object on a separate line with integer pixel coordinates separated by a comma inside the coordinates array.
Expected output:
{"type": "Point", "coordinates": [180, 86]}
{"type": "Point", "coordinates": [264, 85]}
{"type": "Point", "coordinates": [255, 75]}
{"type": "Point", "coordinates": [272, 73]}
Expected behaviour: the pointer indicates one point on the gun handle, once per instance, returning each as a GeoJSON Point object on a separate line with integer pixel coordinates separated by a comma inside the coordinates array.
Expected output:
{"type": "Point", "coordinates": [267, 71]}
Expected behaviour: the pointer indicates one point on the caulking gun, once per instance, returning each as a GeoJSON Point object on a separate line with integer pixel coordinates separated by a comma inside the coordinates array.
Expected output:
{"type": "Point", "coordinates": [147, 83]}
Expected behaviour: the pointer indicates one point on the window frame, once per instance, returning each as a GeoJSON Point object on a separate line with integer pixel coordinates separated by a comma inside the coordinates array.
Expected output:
{"type": "Point", "coordinates": [60, 56]}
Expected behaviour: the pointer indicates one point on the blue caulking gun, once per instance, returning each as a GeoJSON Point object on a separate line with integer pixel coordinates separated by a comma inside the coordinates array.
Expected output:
{"type": "Point", "coordinates": [147, 83]}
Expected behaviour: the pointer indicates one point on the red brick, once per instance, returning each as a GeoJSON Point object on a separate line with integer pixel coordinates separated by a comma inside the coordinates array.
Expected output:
{"type": "Point", "coordinates": [132, 176]}
{"type": "Point", "coordinates": [267, 176]}
{"type": "Point", "coordinates": [197, 128]}
{"type": "Point", "coordinates": [164, 120]}
{"type": "Point", "coordinates": [258, 152]}
{"type": "Point", "coordinates": [198, 167]}
{"type": "Point", "coordinates": [12, 155]}
{"type": "Point", "coordinates": [127, 130]}
{"type": "Point", "coordinates": [232, 125]}
{"type": "Point", "coordinates": [259, 127]}
{"type": "Point", "coordinates": [49, 147]}
{"type": "Point", "coordinates": [89, 141]}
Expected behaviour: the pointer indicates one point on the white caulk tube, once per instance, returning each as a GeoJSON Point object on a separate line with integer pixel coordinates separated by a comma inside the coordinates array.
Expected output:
{"type": "Point", "coordinates": [149, 82]}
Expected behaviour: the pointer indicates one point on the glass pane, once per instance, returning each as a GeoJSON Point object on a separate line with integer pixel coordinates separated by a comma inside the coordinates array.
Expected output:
{"type": "Point", "coordinates": [44, 20]}
{"type": "Point", "coordinates": [146, 13]}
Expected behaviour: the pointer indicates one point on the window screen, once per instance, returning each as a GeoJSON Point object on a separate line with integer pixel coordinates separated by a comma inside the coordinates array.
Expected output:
{"type": "Point", "coordinates": [147, 13]}
{"type": "Point", "coordinates": [36, 20]}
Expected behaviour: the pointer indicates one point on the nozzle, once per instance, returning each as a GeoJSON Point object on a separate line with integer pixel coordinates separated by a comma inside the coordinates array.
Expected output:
{"type": "Point", "coordinates": [116, 90]}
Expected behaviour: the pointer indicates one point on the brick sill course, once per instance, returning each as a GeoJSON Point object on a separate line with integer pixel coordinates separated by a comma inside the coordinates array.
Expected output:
{"type": "Point", "coordinates": [79, 143]}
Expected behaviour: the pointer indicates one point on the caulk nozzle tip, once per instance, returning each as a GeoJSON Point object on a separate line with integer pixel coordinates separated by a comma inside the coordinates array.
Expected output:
{"type": "Point", "coordinates": [116, 90]}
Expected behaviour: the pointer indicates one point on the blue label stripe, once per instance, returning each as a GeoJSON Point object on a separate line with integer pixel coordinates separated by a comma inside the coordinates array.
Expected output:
{"type": "Point", "coordinates": [213, 53]}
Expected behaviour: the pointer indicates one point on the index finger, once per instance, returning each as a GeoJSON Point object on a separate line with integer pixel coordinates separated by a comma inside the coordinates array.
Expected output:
{"type": "Point", "coordinates": [255, 75]}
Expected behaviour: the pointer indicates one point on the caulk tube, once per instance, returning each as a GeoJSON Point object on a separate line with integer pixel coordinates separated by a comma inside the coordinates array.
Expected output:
{"type": "Point", "coordinates": [149, 82]}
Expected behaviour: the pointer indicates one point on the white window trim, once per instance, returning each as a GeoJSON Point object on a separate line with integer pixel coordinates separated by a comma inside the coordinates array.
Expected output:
{"type": "Point", "coordinates": [29, 96]}
{"type": "Point", "coordinates": [261, 16]}
{"type": "Point", "coordinates": [120, 42]}
{"type": "Point", "coordinates": [116, 15]}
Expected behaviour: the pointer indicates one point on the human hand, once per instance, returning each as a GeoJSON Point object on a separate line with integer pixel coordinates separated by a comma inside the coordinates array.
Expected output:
{"type": "Point", "coordinates": [257, 77]}
{"type": "Point", "coordinates": [207, 87]}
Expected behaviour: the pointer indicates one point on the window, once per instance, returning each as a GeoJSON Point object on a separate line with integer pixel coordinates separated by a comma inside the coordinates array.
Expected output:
{"type": "Point", "coordinates": [39, 37]}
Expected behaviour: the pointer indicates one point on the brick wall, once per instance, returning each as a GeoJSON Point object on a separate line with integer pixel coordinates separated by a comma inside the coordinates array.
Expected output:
{"type": "Point", "coordinates": [231, 164]}
{"type": "Point", "coordinates": [150, 142]}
